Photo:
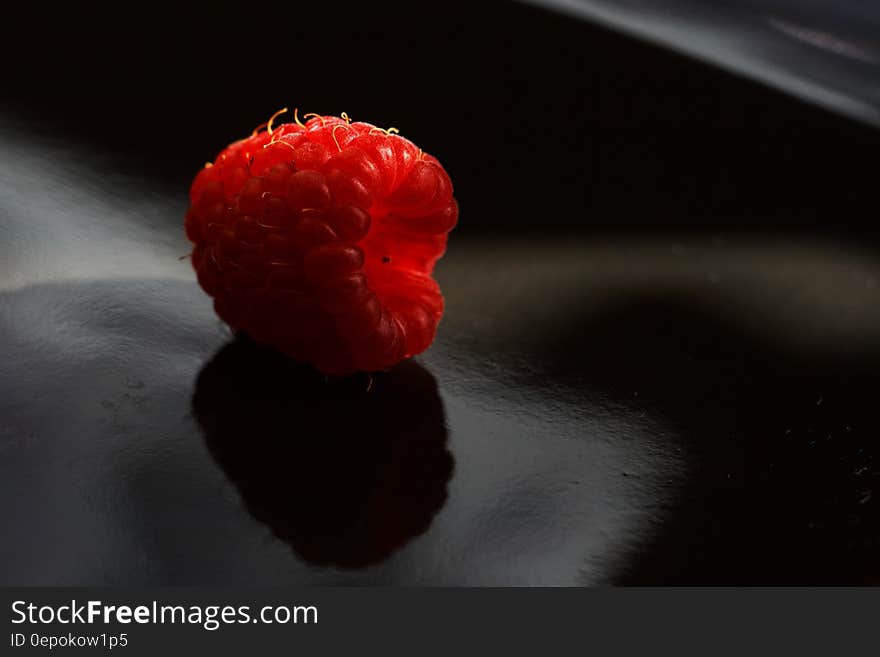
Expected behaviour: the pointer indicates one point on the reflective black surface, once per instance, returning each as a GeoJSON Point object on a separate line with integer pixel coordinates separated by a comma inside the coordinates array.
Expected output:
{"type": "Point", "coordinates": [825, 51]}
{"type": "Point", "coordinates": [675, 430]}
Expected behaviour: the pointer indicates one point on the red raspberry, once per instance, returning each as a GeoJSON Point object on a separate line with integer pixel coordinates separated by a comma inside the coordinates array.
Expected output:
{"type": "Point", "coordinates": [320, 240]}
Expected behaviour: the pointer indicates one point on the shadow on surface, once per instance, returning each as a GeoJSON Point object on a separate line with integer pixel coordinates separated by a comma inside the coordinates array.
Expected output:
{"type": "Point", "coordinates": [345, 475]}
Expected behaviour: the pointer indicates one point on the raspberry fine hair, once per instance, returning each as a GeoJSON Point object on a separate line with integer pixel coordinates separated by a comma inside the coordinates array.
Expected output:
{"type": "Point", "coordinates": [320, 238]}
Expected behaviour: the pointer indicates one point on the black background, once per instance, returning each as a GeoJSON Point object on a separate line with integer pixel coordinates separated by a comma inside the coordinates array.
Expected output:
{"type": "Point", "coordinates": [548, 122]}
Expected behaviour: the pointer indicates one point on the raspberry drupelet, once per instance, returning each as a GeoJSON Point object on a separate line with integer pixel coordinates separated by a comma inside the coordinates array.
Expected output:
{"type": "Point", "coordinates": [319, 239]}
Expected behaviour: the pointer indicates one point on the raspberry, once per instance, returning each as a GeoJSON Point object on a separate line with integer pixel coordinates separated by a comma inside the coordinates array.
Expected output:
{"type": "Point", "coordinates": [319, 239]}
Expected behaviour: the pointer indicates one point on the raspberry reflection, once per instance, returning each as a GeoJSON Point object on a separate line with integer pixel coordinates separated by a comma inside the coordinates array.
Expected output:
{"type": "Point", "coordinates": [345, 474]}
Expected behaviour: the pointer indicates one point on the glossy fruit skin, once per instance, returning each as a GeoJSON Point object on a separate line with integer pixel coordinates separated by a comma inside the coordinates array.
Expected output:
{"type": "Point", "coordinates": [320, 240]}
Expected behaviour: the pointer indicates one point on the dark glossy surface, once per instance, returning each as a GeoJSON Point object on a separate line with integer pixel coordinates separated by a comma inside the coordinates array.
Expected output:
{"type": "Point", "coordinates": [825, 51]}
{"type": "Point", "coordinates": [596, 409]}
